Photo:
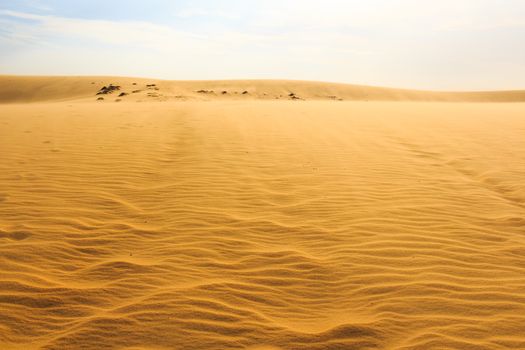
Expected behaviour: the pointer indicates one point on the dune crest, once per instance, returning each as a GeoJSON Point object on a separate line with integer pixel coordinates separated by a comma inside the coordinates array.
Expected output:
{"type": "Point", "coordinates": [23, 89]}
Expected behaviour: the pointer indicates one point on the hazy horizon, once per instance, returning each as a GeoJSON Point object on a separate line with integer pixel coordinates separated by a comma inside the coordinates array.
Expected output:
{"type": "Point", "coordinates": [450, 45]}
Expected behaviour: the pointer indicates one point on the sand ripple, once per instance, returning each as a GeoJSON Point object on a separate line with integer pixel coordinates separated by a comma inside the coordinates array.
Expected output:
{"type": "Point", "coordinates": [262, 225]}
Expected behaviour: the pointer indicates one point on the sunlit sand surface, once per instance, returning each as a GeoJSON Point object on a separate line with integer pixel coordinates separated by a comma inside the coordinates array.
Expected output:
{"type": "Point", "coordinates": [259, 223]}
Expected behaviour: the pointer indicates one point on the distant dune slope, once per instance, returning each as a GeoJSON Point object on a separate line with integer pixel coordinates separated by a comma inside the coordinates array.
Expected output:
{"type": "Point", "coordinates": [259, 225]}
{"type": "Point", "coordinates": [21, 89]}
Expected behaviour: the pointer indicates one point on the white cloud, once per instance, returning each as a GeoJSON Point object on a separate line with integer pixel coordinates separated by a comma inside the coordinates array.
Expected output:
{"type": "Point", "coordinates": [380, 15]}
{"type": "Point", "coordinates": [143, 34]}
{"type": "Point", "coordinates": [23, 15]}
{"type": "Point", "coordinates": [200, 12]}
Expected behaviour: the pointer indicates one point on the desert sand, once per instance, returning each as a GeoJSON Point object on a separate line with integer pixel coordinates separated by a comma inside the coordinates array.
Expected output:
{"type": "Point", "coordinates": [259, 215]}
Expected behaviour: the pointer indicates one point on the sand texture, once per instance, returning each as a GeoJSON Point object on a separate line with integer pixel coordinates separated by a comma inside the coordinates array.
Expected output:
{"type": "Point", "coordinates": [247, 223]}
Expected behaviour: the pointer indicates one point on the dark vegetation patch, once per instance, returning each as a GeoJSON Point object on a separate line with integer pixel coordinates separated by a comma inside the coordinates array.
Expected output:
{"type": "Point", "coordinates": [108, 89]}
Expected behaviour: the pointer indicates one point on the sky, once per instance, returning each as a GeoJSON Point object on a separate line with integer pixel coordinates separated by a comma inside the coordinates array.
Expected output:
{"type": "Point", "coordinates": [424, 44]}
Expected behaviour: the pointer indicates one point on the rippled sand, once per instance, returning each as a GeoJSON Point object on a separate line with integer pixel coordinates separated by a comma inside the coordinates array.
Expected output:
{"type": "Point", "coordinates": [262, 225]}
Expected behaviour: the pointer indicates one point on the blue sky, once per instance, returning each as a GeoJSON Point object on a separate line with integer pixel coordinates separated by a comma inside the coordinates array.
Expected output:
{"type": "Point", "coordinates": [447, 44]}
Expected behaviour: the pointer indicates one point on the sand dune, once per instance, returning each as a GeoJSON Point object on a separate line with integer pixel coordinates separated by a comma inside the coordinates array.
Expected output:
{"type": "Point", "coordinates": [243, 224]}
{"type": "Point", "coordinates": [18, 89]}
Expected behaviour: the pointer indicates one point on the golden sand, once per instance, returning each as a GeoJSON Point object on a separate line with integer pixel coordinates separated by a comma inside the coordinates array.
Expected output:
{"type": "Point", "coordinates": [251, 222]}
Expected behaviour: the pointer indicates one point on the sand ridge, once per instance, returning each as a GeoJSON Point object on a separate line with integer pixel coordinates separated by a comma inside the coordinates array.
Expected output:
{"type": "Point", "coordinates": [261, 224]}
{"type": "Point", "coordinates": [24, 89]}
